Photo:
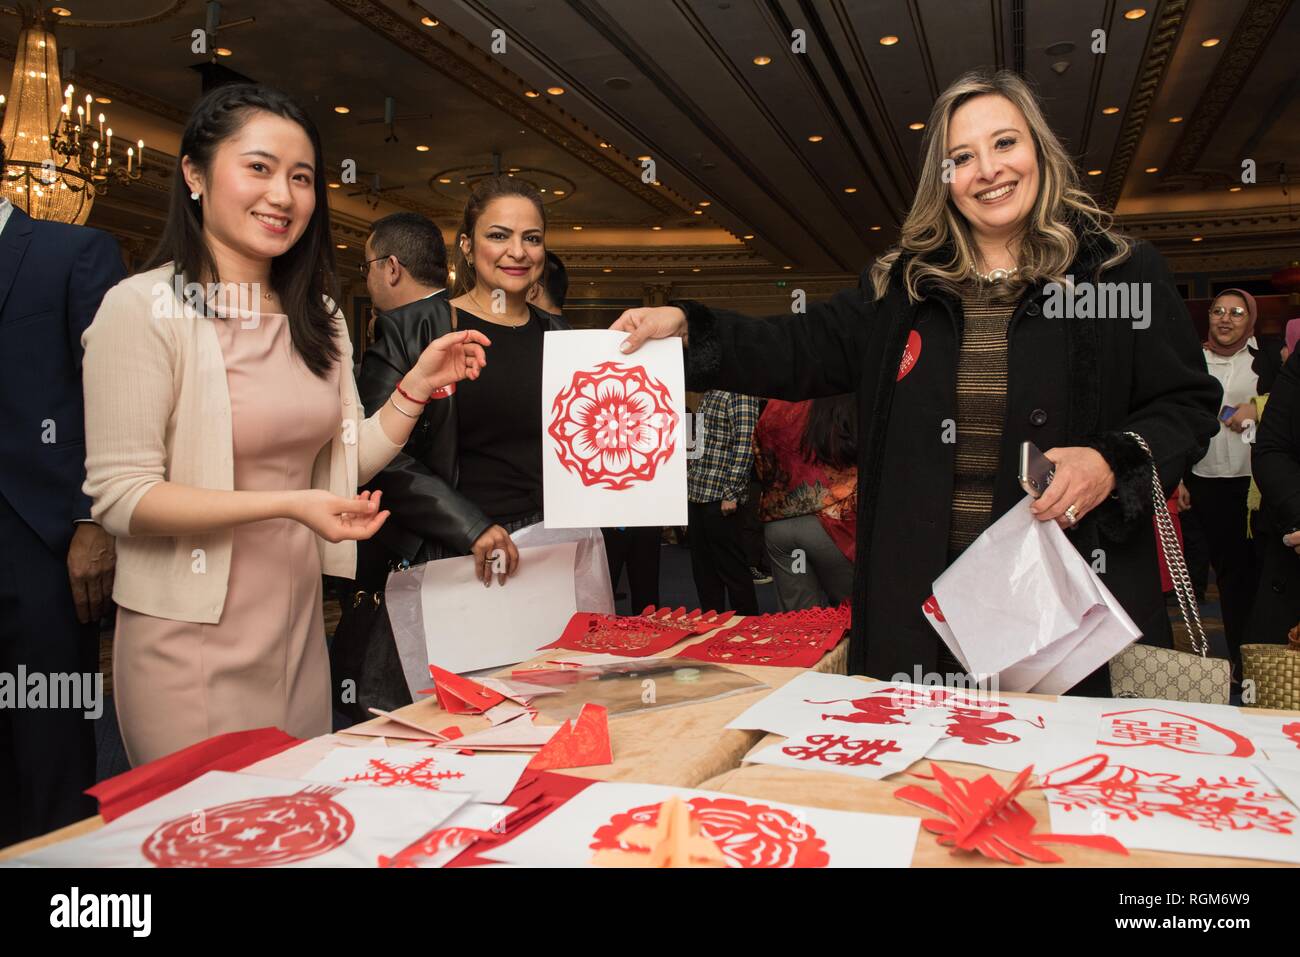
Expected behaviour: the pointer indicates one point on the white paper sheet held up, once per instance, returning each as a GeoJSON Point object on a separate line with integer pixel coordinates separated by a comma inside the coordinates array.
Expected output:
{"type": "Point", "coordinates": [613, 431]}
{"type": "Point", "coordinates": [468, 627]}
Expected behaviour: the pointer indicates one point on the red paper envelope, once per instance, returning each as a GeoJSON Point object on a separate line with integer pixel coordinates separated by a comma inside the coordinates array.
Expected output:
{"type": "Point", "coordinates": [224, 752]}
{"type": "Point", "coordinates": [458, 695]}
{"type": "Point", "coordinates": [579, 745]}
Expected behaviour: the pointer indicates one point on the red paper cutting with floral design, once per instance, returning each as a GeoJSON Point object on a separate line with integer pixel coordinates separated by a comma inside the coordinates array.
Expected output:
{"type": "Point", "coordinates": [613, 426]}
{"type": "Point", "coordinates": [579, 744]}
{"type": "Point", "coordinates": [796, 639]}
{"type": "Point", "coordinates": [259, 832]}
{"type": "Point", "coordinates": [1160, 728]}
{"type": "Point", "coordinates": [631, 636]}
{"type": "Point", "coordinates": [983, 817]}
{"type": "Point", "coordinates": [697, 622]}
{"type": "Point", "coordinates": [749, 835]}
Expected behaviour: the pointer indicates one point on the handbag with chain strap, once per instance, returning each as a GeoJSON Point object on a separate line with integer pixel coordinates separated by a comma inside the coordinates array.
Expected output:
{"type": "Point", "coordinates": [1148, 671]}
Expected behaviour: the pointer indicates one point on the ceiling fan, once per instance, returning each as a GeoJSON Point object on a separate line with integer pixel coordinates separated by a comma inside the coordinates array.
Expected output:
{"type": "Point", "coordinates": [390, 119]}
{"type": "Point", "coordinates": [372, 191]}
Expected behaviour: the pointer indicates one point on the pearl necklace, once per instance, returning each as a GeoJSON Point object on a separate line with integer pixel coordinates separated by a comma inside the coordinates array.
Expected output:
{"type": "Point", "coordinates": [997, 275]}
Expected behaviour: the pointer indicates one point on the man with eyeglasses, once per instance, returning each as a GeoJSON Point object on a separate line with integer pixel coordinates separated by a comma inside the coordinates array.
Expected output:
{"type": "Point", "coordinates": [406, 263]}
{"type": "Point", "coordinates": [1216, 489]}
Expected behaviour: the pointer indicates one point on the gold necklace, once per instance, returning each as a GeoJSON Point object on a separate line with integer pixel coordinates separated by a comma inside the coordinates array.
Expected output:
{"type": "Point", "coordinates": [484, 313]}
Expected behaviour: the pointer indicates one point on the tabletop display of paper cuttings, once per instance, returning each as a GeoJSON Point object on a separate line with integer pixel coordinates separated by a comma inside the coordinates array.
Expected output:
{"type": "Point", "coordinates": [792, 639]}
{"type": "Point", "coordinates": [1167, 801]}
{"type": "Point", "coordinates": [750, 832]}
{"type": "Point", "coordinates": [633, 636]}
{"type": "Point", "coordinates": [224, 819]}
{"type": "Point", "coordinates": [979, 728]}
{"type": "Point", "coordinates": [1193, 728]}
{"type": "Point", "coordinates": [488, 778]}
{"type": "Point", "coordinates": [613, 448]}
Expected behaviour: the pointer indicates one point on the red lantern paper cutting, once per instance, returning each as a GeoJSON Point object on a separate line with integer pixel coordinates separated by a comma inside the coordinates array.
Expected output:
{"type": "Point", "coordinates": [749, 835]}
{"type": "Point", "coordinates": [261, 832]}
{"type": "Point", "coordinates": [613, 426]}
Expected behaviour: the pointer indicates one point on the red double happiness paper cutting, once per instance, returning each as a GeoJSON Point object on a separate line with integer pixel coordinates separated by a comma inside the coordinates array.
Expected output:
{"type": "Point", "coordinates": [633, 636]}
{"type": "Point", "coordinates": [982, 817]}
{"type": "Point", "coordinates": [579, 744]}
{"type": "Point", "coordinates": [796, 639]}
{"type": "Point", "coordinates": [458, 695]}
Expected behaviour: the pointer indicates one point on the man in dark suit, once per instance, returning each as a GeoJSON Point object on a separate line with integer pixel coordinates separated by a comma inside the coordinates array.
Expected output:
{"type": "Point", "coordinates": [406, 261]}
{"type": "Point", "coordinates": [56, 566]}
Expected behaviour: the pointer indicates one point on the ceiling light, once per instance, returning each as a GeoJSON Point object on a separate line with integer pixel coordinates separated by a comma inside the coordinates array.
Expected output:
{"type": "Point", "coordinates": [1094, 172]}
{"type": "Point", "coordinates": [1234, 189]}
{"type": "Point", "coordinates": [705, 202]}
{"type": "Point", "coordinates": [577, 227]}
{"type": "Point", "coordinates": [1211, 42]}
{"type": "Point", "coordinates": [103, 99]}
{"type": "Point", "coordinates": [429, 21]}
{"type": "Point", "coordinates": [607, 270]}
{"type": "Point", "coordinates": [875, 229]}
{"type": "Point", "coordinates": [340, 245]}
{"type": "Point", "coordinates": [531, 94]}
{"type": "Point", "coordinates": [816, 138]}
{"type": "Point", "coordinates": [1197, 239]}
{"type": "Point", "coordinates": [888, 41]}
{"type": "Point", "coordinates": [1110, 110]}
{"type": "Point", "coordinates": [1175, 119]}
{"type": "Point", "coordinates": [336, 185]}
{"type": "Point", "coordinates": [604, 146]}
{"type": "Point", "coordinates": [342, 109]}
{"type": "Point", "coordinates": [787, 267]}
{"type": "Point", "coordinates": [916, 126]}
{"type": "Point", "coordinates": [223, 51]}
{"type": "Point", "coordinates": [747, 236]}
{"type": "Point", "coordinates": [643, 159]}
{"type": "Point", "coordinates": [762, 60]}
{"type": "Point", "coordinates": [696, 269]}
{"type": "Point", "coordinates": [698, 212]}
{"type": "Point", "coordinates": [1137, 13]}
{"type": "Point", "coordinates": [656, 228]}
{"type": "Point", "coordinates": [1152, 169]}
{"type": "Point", "coordinates": [422, 148]}
{"type": "Point", "coordinates": [555, 90]}
{"type": "Point", "coordinates": [558, 192]}
{"type": "Point", "coordinates": [61, 11]}
{"type": "Point", "coordinates": [850, 189]}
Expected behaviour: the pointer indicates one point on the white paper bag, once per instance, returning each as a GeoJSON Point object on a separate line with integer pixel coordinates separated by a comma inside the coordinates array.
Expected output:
{"type": "Point", "coordinates": [1023, 604]}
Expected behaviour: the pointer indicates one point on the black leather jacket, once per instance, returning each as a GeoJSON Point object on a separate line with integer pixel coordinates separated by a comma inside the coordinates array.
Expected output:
{"type": "Point", "coordinates": [419, 484]}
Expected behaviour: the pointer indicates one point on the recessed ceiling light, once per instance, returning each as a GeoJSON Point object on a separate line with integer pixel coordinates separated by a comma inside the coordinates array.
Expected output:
{"type": "Point", "coordinates": [1234, 189]}
{"type": "Point", "coordinates": [342, 109]}
{"type": "Point", "coordinates": [223, 51]}
{"type": "Point", "coordinates": [558, 192]}
{"type": "Point", "coordinates": [1175, 119]}
{"type": "Point", "coordinates": [656, 228]}
{"type": "Point", "coordinates": [916, 126]}
{"type": "Point", "coordinates": [815, 138]}
{"type": "Point", "coordinates": [555, 90]}
{"type": "Point", "coordinates": [1197, 239]}
{"type": "Point", "coordinates": [577, 227]}
{"type": "Point", "coordinates": [1152, 169]}
{"type": "Point", "coordinates": [747, 236]}
{"type": "Point", "coordinates": [850, 189]}
{"type": "Point", "coordinates": [661, 272]}
{"type": "Point", "coordinates": [336, 185]}
{"type": "Point", "coordinates": [1137, 13]}
{"type": "Point", "coordinates": [340, 245]}
{"type": "Point", "coordinates": [103, 99]}
{"type": "Point", "coordinates": [604, 146]}
{"type": "Point", "coordinates": [888, 41]}
{"type": "Point", "coordinates": [643, 159]}
{"type": "Point", "coordinates": [787, 267]}
{"type": "Point", "coordinates": [514, 169]}
{"type": "Point", "coordinates": [875, 229]}
{"type": "Point", "coordinates": [444, 179]}
{"type": "Point", "coordinates": [696, 269]}
{"type": "Point", "coordinates": [1094, 172]}
{"type": "Point", "coordinates": [1110, 110]}
{"type": "Point", "coordinates": [422, 148]}
{"type": "Point", "coordinates": [698, 212]}
{"type": "Point", "coordinates": [607, 270]}
{"type": "Point", "coordinates": [762, 60]}
{"type": "Point", "coordinates": [61, 11]}
{"type": "Point", "coordinates": [705, 202]}
{"type": "Point", "coordinates": [531, 94]}
{"type": "Point", "coordinates": [1211, 42]}
{"type": "Point", "coordinates": [429, 21]}
{"type": "Point", "coordinates": [656, 182]}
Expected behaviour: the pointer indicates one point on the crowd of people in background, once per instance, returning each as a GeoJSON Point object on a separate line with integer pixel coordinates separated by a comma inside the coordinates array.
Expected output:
{"type": "Point", "coordinates": [225, 467]}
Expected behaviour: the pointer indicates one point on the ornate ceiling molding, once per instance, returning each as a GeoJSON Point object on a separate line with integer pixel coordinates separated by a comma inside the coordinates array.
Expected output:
{"type": "Point", "coordinates": [1254, 30]}
{"type": "Point", "coordinates": [482, 75]}
{"type": "Point", "coordinates": [1166, 27]}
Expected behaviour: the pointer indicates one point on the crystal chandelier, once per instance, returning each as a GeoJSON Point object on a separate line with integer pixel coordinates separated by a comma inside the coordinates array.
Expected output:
{"type": "Point", "coordinates": [57, 162]}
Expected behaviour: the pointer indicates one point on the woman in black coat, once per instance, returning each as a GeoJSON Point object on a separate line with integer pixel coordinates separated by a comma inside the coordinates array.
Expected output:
{"type": "Point", "coordinates": [1275, 463]}
{"type": "Point", "coordinates": [995, 321]}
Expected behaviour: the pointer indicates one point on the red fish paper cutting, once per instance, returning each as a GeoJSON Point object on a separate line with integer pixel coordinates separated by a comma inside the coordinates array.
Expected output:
{"type": "Point", "coordinates": [983, 817]}
{"type": "Point", "coordinates": [1157, 727]}
{"type": "Point", "coordinates": [749, 835]}
{"type": "Point", "coordinates": [795, 639]}
{"type": "Point", "coordinates": [613, 426]}
{"type": "Point", "coordinates": [260, 832]}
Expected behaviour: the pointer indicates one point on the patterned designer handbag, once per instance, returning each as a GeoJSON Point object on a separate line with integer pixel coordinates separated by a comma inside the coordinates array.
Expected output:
{"type": "Point", "coordinates": [1147, 671]}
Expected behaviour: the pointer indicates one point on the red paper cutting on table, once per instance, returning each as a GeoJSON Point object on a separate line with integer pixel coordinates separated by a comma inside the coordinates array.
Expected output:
{"type": "Point", "coordinates": [981, 816]}
{"type": "Point", "coordinates": [795, 639]}
{"type": "Point", "coordinates": [1225, 804]}
{"type": "Point", "coordinates": [232, 751]}
{"type": "Point", "coordinates": [535, 796]}
{"type": "Point", "coordinates": [396, 773]}
{"type": "Point", "coordinates": [749, 835]}
{"type": "Point", "coordinates": [852, 754]}
{"type": "Point", "coordinates": [459, 695]}
{"type": "Point", "coordinates": [1169, 729]}
{"type": "Point", "coordinates": [1292, 731]}
{"type": "Point", "coordinates": [577, 745]}
{"type": "Point", "coordinates": [969, 720]}
{"type": "Point", "coordinates": [260, 832]}
{"type": "Point", "coordinates": [613, 426]}
{"type": "Point", "coordinates": [697, 622]}
{"type": "Point", "coordinates": [632, 636]}
{"type": "Point", "coordinates": [434, 842]}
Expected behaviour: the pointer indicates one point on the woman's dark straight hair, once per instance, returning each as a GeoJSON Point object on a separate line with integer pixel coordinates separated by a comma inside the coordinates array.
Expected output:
{"type": "Point", "coordinates": [304, 276]}
{"type": "Point", "coordinates": [830, 435]}
{"type": "Point", "coordinates": [481, 194]}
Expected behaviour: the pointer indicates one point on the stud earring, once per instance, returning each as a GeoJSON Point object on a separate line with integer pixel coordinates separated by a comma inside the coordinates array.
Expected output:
{"type": "Point", "coordinates": [194, 195]}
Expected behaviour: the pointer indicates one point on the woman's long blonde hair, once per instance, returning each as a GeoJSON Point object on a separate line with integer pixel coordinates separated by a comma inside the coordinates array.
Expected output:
{"type": "Point", "coordinates": [1048, 244]}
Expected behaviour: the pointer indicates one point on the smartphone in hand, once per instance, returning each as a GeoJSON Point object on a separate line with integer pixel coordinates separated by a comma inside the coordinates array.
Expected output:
{"type": "Point", "coordinates": [1036, 469]}
{"type": "Point", "coordinates": [1226, 413]}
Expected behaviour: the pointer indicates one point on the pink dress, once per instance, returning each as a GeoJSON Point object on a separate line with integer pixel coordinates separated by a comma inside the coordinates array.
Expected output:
{"type": "Point", "coordinates": [265, 662]}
